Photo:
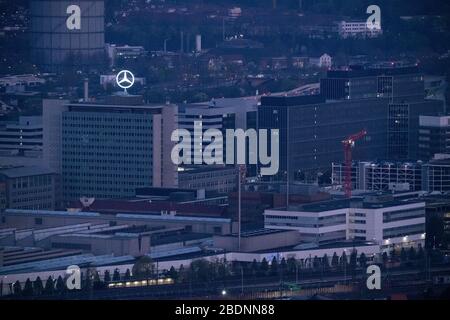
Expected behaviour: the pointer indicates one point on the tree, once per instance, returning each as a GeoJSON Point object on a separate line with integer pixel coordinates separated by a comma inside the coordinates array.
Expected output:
{"type": "Point", "coordinates": [254, 267]}
{"type": "Point", "coordinates": [363, 260]}
{"type": "Point", "coordinates": [274, 266]}
{"type": "Point", "coordinates": [127, 274]}
{"type": "Point", "coordinates": [385, 259]}
{"type": "Point", "coordinates": [403, 255]}
{"type": "Point", "coordinates": [60, 285]}
{"type": "Point", "coordinates": [144, 268]}
{"type": "Point", "coordinates": [49, 286]}
{"type": "Point", "coordinates": [28, 288]}
{"type": "Point", "coordinates": [222, 270]}
{"type": "Point", "coordinates": [38, 287]}
{"type": "Point", "coordinates": [412, 254]}
{"type": "Point", "coordinates": [97, 282]}
{"type": "Point", "coordinates": [335, 260]}
{"type": "Point", "coordinates": [316, 262]}
{"type": "Point", "coordinates": [343, 259]}
{"type": "Point", "coordinates": [393, 255]}
{"type": "Point", "coordinates": [107, 277]}
{"type": "Point", "coordinates": [264, 267]}
{"type": "Point", "coordinates": [291, 265]}
{"type": "Point", "coordinates": [420, 253]}
{"type": "Point", "coordinates": [116, 275]}
{"type": "Point", "coordinates": [283, 265]}
{"type": "Point", "coordinates": [172, 273]}
{"type": "Point", "coordinates": [17, 288]}
{"type": "Point", "coordinates": [182, 274]}
{"type": "Point", "coordinates": [325, 262]}
{"type": "Point", "coordinates": [353, 259]}
{"type": "Point", "coordinates": [201, 271]}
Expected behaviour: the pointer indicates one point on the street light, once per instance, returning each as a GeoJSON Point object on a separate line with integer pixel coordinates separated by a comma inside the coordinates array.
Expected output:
{"type": "Point", "coordinates": [224, 292]}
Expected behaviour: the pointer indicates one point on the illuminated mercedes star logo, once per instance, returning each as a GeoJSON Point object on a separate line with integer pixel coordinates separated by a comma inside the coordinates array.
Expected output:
{"type": "Point", "coordinates": [125, 79]}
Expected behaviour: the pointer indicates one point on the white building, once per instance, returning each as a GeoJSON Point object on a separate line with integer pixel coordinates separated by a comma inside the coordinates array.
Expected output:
{"type": "Point", "coordinates": [357, 29]}
{"type": "Point", "coordinates": [20, 82]}
{"type": "Point", "coordinates": [123, 52]}
{"type": "Point", "coordinates": [377, 218]}
{"type": "Point", "coordinates": [324, 61]}
{"type": "Point", "coordinates": [221, 114]}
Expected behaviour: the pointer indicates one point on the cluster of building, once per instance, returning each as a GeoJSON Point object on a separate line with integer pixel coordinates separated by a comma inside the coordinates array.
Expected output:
{"type": "Point", "coordinates": [107, 191]}
{"type": "Point", "coordinates": [92, 181]}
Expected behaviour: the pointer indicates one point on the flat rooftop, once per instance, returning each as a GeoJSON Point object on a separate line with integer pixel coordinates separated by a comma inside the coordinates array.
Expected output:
{"type": "Point", "coordinates": [256, 233]}
{"type": "Point", "coordinates": [26, 171]}
{"type": "Point", "coordinates": [150, 208]}
{"type": "Point", "coordinates": [337, 245]}
{"type": "Point", "coordinates": [356, 202]}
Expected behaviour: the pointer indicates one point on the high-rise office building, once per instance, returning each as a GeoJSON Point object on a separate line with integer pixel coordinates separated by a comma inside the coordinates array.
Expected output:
{"type": "Point", "coordinates": [109, 149]}
{"type": "Point", "coordinates": [311, 131]}
{"type": "Point", "coordinates": [386, 103]}
{"type": "Point", "coordinates": [220, 114]}
{"type": "Point", "coordinates": [434, 136]}
{"type": "Point", "coordinates": [383, 219]}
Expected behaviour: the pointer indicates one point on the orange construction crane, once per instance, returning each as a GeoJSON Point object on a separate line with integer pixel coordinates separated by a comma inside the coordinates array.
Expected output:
{"type": "Point", "coordinates": [348, 144]}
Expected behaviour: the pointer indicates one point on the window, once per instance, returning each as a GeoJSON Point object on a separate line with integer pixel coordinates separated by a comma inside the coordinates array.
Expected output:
{"type": "Point", "coordinates": [38, 221]}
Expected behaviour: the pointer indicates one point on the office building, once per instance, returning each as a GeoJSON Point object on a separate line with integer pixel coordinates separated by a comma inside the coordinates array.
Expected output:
{"type": "Point", "coordinates": [122, 53]}
{"type": "Point", "coordinates": [311, 131]}
{"type": "Point", "coordinates": [434, 136]}
{"type": "Point", "coordinates": [108, 149]}
{"type": "Point", "coordinates": [23, 138]}
{"type": "Point", "coordinates": [220, 114]}
{"type": "Point", "coordinates": [382, 219]}
{"type": "Point", "coordinates": [386, 103]}
{"type": "Point", "coordinates": [36, 188]}
{"type": "Point", "coordinates": [348, 29]}
{"type": "Point", "coordinates": [192, 218]}
{"type": "Point", "coordinates": [213, 179]}
{"type": "Point", "coordinates": [399, 84]}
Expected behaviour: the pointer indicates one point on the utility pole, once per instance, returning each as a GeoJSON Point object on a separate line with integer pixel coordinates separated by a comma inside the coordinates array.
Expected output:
{"type": "Point", "coordinates": [241, 177]}
{"type": "Point", "coordinates": [165, 45]}
{"type": "Point", "coordinates": [287, 159]}
{"type": "Point", "coordinates": [242, 280]}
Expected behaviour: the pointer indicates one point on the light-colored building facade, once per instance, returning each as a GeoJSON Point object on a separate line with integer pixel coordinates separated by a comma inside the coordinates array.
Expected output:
{"type": "Point", "coordinates": [434, 136]}
{"type": "Point", "coordinates": [357, 29]}
{"type": "Point", "coordinates": [385, 221]}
